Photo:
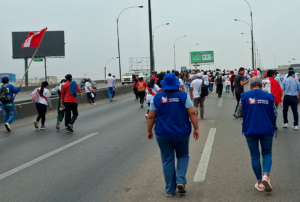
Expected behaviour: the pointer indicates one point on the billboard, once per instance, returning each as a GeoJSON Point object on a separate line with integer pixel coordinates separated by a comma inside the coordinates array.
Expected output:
{"type": "Point", "coordinates": [53, 45]}
{"type": "Point", "coordinates": [183, 68]}
{"type": "Point", "coordinates": [202, 57]}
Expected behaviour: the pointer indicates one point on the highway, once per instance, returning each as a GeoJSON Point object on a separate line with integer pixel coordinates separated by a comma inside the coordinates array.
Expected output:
{"type": "Point", "coordinates": [113, 161]}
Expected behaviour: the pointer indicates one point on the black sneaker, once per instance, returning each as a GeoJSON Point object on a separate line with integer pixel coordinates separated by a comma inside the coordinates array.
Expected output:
{"type": "Point", "coordinates": [43, 127]}
{"type": "Point", "coordinates": [7, 126]}
{"type": "Point", "coordinates": [181, 188]}
{"type": "Point", "coordinates": [70, 128]}
{"type": "Point", "coordinates": [36, 125]}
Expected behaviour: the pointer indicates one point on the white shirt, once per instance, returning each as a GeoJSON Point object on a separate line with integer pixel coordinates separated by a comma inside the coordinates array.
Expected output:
{"type": "Point", "coordinates": [46, 93]}
{"type": "Point", "coordinates": [286, 76]}
{"type": "Point", "coordinates": [87, 86]}
{"type": "Point", "coordinates": [196, 85]}
{"type": "Point", "coordinates": [110, 81]}
{"type": "Point", "coordinates": [236, 72]}
{"type": "Point", "coordinates": [155, 90]}
{"type": "Point", "coordinates": [181, 83]}
{"type": "Point", "coordinates": [205, 78]}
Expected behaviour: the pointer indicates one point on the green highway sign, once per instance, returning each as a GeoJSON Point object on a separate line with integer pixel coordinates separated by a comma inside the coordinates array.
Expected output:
{"type": "Point", "coordinates": [202, 57]}
{"type": "Point", "coordinates": [38, 59]}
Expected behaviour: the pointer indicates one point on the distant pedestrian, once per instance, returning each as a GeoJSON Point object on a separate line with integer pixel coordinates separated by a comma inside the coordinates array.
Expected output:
{"type": "Point", "coordinates": [60, 111]}
{"type": "Point", "coordinates": [69, 93]}
{"type": "Point", "coordinates": [258, 127]}
{"type": "Point", "coordinates": [211, 82]}
{"type": "Point", "coordinates": [172, 110]}
{"type": "Point", "coordinates": [291, 89]}
{"type": "Point", "coordinates": [232, 77]}
{"type": "Point", "coordinates": [182, 86]}
{"type": "Point", "coordinates": [141, 90]}
{"type": "Point", "coordinates": [110, 81]}
{"type": "Point", "coordinates": [90, 91]}
{"type": "Point", "coordinates": [227, 83]}
{"type": "Point", "coordinates": [187, 83]}
{"type": "Point", "coordinates": [205, 79]}
{"type": "Point", "coordinates": [7, 92]}
{"type": "Point", "coordinates": [277, 78]}
{"type": "Point", "coordinates": [287, 75]}
{"type": "Point", "coordinates": [115, 88]}
{"type": "Point", "coordinates": [151, 90]}
{"type": "Point", "coordinates": [134, 82]}
{"type": "Point", "coordinates": [219, 83]}
{"type": "Point", "coordinates": [196, 94]}
{"type": "Point", "coordinates": [42, 104]}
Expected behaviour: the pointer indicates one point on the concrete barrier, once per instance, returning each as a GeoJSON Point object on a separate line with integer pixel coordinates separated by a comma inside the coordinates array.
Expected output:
{"type": "Point", "coordinates": [28, 109]}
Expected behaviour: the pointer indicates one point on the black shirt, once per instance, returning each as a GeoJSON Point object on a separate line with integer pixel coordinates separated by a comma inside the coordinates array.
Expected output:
{"type": "Point", "coordinates": [237, 84]}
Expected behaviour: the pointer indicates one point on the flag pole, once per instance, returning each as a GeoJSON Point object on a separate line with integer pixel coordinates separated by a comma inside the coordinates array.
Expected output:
{"type": "Point", "coordinates": [33, 56]}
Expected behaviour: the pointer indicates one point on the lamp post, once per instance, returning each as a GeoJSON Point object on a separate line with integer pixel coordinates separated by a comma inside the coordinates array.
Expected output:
{"type": "Point", "coordinates": [106, 65]}
{"type": "Point", "coordinates": [119, 37]}
{"type": "Point", "coordinates": [190, 55]}
{"type": "Point", "coordinates": [153, 44]}
{"type": "Point", "coordinates": [175, 52]}
{"type": "Point", "coordinates": [253, 64]}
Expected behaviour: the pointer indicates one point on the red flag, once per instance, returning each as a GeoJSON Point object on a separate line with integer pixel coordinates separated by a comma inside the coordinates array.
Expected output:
{"type": "Point", "coordinates": [33, 39]}
{"type": "Point", "coordinates": [272, 86]}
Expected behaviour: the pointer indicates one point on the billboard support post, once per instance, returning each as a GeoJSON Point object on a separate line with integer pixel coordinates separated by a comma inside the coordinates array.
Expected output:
{"type": "Point", "coordinates": [26, 73]}
{"type": "Point", "coordinates": [45, 70]}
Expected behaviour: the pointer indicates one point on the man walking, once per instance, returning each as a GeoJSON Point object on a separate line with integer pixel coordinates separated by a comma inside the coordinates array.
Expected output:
{"type": "Point", "coordinates": [7, 92]}
{"type": "Point", "coordinates": [110, 81]}
{"type": "Point", "coordinates": [69, 102]}
{"type": "Point", "coordinates": [291, 88]}
{"type": "Point", "coordinates": [182, 88]}
{"type": "Point", "coordinates": [195, 93]}
{"type": "Point", "coordinates": [219, 83]}
{"type": "Point", "coordinates": [172, 110]}
{"type": "Point", "coordinates": [239, 87]}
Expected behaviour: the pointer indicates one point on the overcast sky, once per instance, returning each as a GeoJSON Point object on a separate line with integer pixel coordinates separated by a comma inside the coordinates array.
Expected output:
{"type": "Point", "coordinates": [90, 33]}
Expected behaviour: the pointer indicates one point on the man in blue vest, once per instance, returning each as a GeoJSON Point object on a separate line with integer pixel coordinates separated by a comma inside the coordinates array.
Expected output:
{"type": "Point", "coordinates": [258, 127]}
{"type": "Point", "coordinates": [171, 110]}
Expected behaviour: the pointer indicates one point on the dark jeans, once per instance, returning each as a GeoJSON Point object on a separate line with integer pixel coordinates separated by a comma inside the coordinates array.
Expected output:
{"type": "Point", "coordinates": [293, 102]}
{"type": "Point", "coordinates": [266, 142]}
{"type": "Point", "coordinates": [71, 107]}
{"type": "Point", "coordinates": [114, 92]}
{"type": "Point", "coordinates": [220, 89]}
{"type": "Point", "coordinates": [42, 109]}
{"type": "Point", "coordinates": [238, 98]}
{"type": "Point", "coordinates": [141, 94]}
{"type": "Point", "coordinates": [135, 92]}
{"type": "Point", "coordinates": [211, 87]}
{"type": "Point", "coordinates": [92, 99]}
{"type": "Point", "coordinates": [60, 113]}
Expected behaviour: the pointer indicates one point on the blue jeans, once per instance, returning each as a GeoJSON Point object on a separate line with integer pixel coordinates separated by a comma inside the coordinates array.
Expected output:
{"type": "Point", "coordinates": [9, 112]}
{"type": "Point", "coordinates": [211, 87]}
{"type": "Point", "coordinates": [187, 87]}
{"type": "Point", "coordinates": [110, 92]}
{"type": "Point", "coordinates": [293, 102]}
{"type": "Point", "coordinates": [169, 145]}
{"type": "Point", "coordinates": [228, 88]}
{"type": "Point", "coordinates": [266, 142]}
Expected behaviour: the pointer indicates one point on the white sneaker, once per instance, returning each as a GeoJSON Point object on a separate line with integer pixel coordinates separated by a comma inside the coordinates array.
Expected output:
{"type": "Point", "coordinates": [260, 187]}
{"type": "Point", "coordinates": [285, 125]}
{"type": "Point", "coordinates": [295, 127]}
{"type": "Point", "coordinates": [266, 183]}
{"type": "Point", "coordinates": [7, 126]}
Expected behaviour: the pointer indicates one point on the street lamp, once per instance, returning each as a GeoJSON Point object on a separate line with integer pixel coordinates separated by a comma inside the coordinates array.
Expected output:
{"type": "Point", "coordinates": [252, 41]}
{"type": "Point", "coordinates": [190, 55]}
{"type": "Point", "coordinates": [106, 65]}
{"type": "Point", "coordinates": [119, 38]}
{"type": "Point", "coordinates": [174, 51]}
{"type": "Point", "coordinates": [153, 43]}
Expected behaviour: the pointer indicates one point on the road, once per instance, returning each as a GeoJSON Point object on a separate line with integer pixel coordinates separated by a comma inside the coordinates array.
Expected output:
{"type": "Point", "coordinates": [116, 162]}
{"type": "Point", "coordinates": [25, 95]}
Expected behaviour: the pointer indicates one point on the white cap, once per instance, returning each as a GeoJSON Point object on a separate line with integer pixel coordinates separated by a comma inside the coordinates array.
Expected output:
{"type": "Point", "coordinates": [199, 75]}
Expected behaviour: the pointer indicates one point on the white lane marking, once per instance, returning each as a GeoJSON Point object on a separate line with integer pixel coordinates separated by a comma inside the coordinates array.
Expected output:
{"type": "Point", "coordinates": [202, 167]}
{"type": "Point", "coordinates": [220, 102]}
{"type": "Point", "coordinates": [34, 161]}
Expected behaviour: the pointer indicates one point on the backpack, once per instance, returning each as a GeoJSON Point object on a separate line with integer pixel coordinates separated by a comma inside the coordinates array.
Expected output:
{"type": "Point", "coordinates": [35, 96]}
{"type": "Point", "coordinates": [141, 87]}
{"type": "Point", "coordinates": [4, 94]}
{"type": "Point", "coordinates": [219, 80]}
{"type": "Point", "coordinates": [204, 90]}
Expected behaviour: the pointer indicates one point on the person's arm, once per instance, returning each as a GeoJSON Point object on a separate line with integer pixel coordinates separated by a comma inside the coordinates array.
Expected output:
{"type": "Point", "coordinates": [183, 88]}
{"type": "Point", "coordinates": [133, 85]}
{"type": "Point", "coordinates": [48, 101]}
{"type": "Point", "coordinates": [242, 82]}
{"type": "Point", "coordinates": [15, 90]}
{"type": "Point", "coordinates": [151, 120]}
{"type": "Point", "coordinates": [62, 96]}
{"type": "Point", "coordinates": [194, 119]}
{"type": "Point", "coordinates": [78, 88]}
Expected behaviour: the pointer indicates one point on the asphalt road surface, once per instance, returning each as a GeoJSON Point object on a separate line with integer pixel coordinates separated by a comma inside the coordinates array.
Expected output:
{"type": "Point", "coordinates": [108, 158]}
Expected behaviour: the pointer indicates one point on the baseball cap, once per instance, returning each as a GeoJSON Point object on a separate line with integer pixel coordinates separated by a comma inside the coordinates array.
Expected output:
{"type": "Point", "coordinates": [153, 78]}
{"type": "Point", "coordinates": [5, 79]}
{"type": "Point", "coordinates": [176, 73]}
{"type": "Point", "coordinates": [199, 75]}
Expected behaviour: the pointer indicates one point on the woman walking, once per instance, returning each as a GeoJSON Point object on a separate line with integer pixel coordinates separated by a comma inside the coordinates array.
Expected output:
{"type": "Point", "coordinates": [42, 104]}
{"type": "Point", "coordinates": [134, 82]}
{"type": "Point", "coordinates": [187, 83]}
{"type": "Point", "coordinates": [90, 91]}
{"type": "Point", "coordinates": [141, 88]}
{"type": "Point", "coordinates": [151, 90]}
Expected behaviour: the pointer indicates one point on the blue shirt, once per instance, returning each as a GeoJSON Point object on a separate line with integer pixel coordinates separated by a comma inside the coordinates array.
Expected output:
{"type": "Point", "coordinates": [12, 90]}
{"type": "Point", "coordinates": [277, 78]}
{"type": "Point", "coordinates": [188, 104]}
{"type": "Point", "coordinates": [291, 86]}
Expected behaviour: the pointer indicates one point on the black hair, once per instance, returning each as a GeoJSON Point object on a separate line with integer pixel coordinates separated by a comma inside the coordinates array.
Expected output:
{"type": "Point", "coordinates": [133, 76]}
{"type": "Point", "coordinates": [270, 73]}
{"type": "Point", "coordinates": [63, 81]}
{"type": "Point", "coordinates": [141, 79]}
{"type": "Point", "coordinates": [291, 68]}
{"type": "Point", "coordinates": [151, 84]}
{"type": "Point", "coordinates": [44, 84]}
{"type": "Point", "coordinates": [205, 73]}
{"type": "Point", "coordinates": [241, 69]}
{"type": "Point", "coordinates": [109, 74]}
{"type": "Point", "coordinates": [291, 73]}
{"type": "Point", "coordinates": [68, 77]}
{"type": "Point", "coordinates": [5, 80]}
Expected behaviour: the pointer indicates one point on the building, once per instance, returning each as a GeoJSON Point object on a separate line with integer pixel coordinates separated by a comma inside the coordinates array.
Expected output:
{"type": "Point", "coordinates": [11, 76]}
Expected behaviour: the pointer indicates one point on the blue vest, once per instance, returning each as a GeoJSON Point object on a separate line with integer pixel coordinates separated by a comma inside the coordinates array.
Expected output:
{"type": "Point", "coordinates": [172, 118]}
{"type": "Point", "coordinates": [258, 113]}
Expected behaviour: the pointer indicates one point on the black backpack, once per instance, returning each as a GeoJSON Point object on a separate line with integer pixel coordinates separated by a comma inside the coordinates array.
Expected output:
{"type": "Point", "coordinates": [219, 80]}
{"type": "Point", "coordinates": [204, 90]}
{"type": "Point", "coordinates": [4, 95]}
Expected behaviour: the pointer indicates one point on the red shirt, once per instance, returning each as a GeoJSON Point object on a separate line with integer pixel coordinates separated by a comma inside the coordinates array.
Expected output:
{"type": "Point", "coordinates": [141, 82]}
{"type": "Point", "coordinates": [65, 93]}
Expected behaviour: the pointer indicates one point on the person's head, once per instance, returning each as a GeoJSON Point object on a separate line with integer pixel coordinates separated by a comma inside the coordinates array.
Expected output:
{"type": "Point", "coordinates": [141, 79]}
{"type": "Point", "coordinates": [275, 72]}
{"type": "Point", "coordinates": [170, 82]}
{"type": "Point", "coordinates": [136, 75]}
{"type": "Point", "coordinates": [68, 77]}
{"type": "Point", "coordinates": [270, 73]}
{"type": "Point", "coordinates": [114, 76]}
{"type": "Point", "coordinates": [198, 71]}
{"type": "Point", "coordinates": [198, 75]}
{"type": "Point", "coordinates": [176, 74]}
{"type": "Point", "coordinates": [291, 69]}
{"type": "Point", "coordinates": [291, 73]}
{"type": "Point", "coordinates": [255, 83]}
{"type": "Point", "coordinates": [153, 78]}
{"type": "Point", "coordinates": [242, 70]}
{"type": "Point", "coordinates": [109, 74]}
{"type": "Point", "coordinates": [193, 72]}
{"type": "Point", "coordinates": [43, 86]}
{"type": "Point", "coordinates": [205, 73]}
{"type": "Point", "coordinates": [231, 72]}
{"type": "Point", "coordinates": [88, 80]}
{"type": "Point", "coordinates": [5, 80]}
{"type": "Point", "coordinates": [151, 83]}
{"type": "Point", "coordinates": [63, 81]}
{"type": "Point", "coordinates": [133, 76]}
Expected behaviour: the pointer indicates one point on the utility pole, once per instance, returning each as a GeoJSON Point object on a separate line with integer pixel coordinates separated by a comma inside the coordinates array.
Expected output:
{"type": "Point", "coordinates": [45, 69]}
{"type": "Point", "coordinates": [150, 38]}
